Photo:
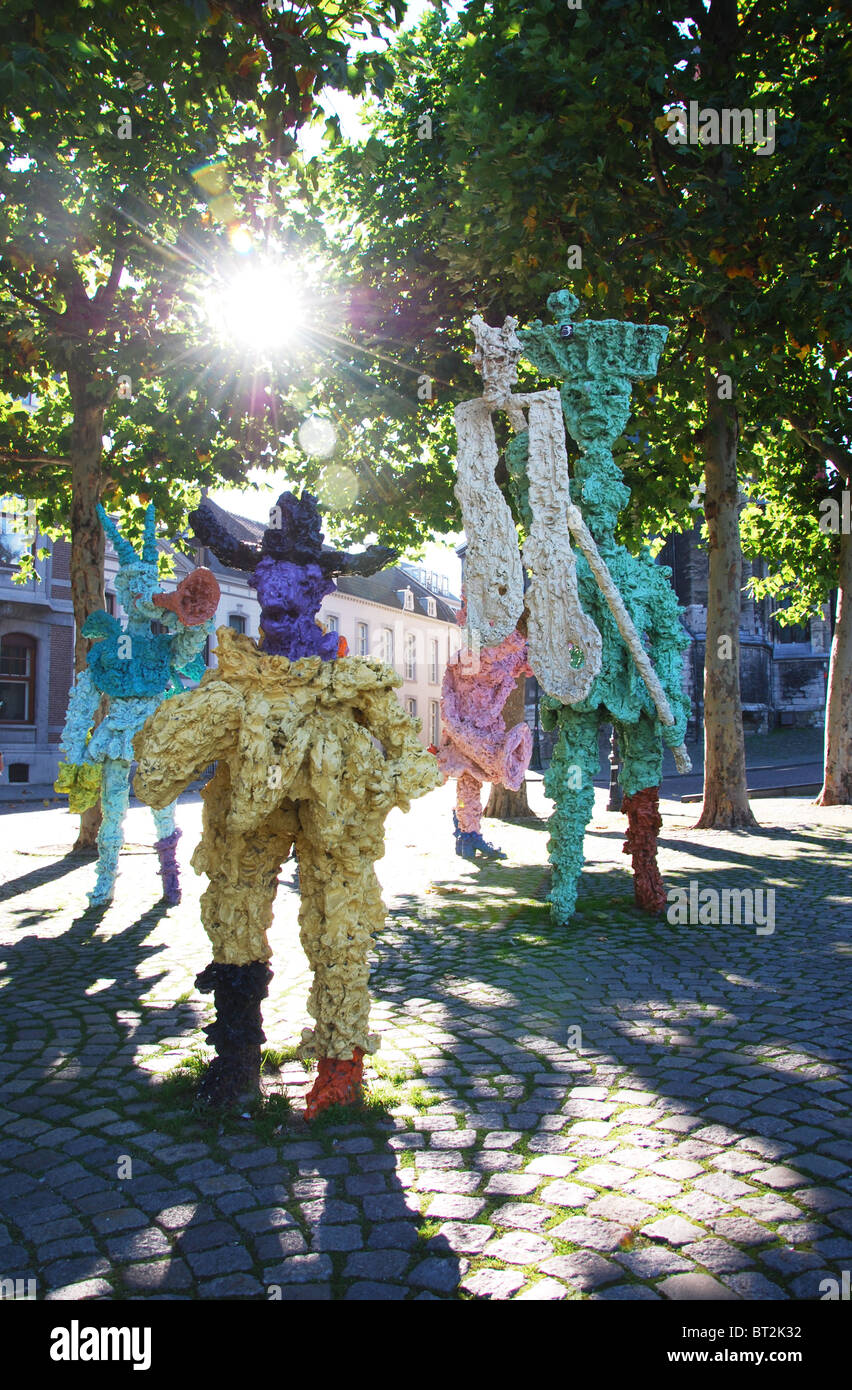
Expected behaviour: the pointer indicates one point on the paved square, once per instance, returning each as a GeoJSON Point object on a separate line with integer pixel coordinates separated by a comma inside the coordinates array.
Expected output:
{"type": "Point", "coordinates": [692, 1141]}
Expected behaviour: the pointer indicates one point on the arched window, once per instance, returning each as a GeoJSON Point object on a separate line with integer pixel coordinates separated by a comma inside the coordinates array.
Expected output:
{"type": "Point", "coordinates": [17, 678]}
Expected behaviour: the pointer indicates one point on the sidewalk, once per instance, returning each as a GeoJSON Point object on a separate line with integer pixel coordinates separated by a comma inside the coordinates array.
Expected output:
{"type": "Point", "coordinates": [781, 748]}
{"type": "Point", "coordinates": [617, 1110]}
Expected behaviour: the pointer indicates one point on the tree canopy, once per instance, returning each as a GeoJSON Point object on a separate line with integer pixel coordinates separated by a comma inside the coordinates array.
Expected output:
{"type": "Point", "coordinates": [147, 149]}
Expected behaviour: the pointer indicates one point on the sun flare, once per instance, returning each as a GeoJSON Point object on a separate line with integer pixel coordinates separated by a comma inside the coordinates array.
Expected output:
{"type": "Point", "coordinates": [260, 306]}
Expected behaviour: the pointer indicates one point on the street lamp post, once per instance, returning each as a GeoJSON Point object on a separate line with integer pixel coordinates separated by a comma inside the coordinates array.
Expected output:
{"type": "Point", "coordinates": [615, 792]}
{"type": "Point", "coordinates": [535, 760]}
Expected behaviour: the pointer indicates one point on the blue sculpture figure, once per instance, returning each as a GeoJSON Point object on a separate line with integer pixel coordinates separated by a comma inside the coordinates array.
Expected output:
{"type": "Point", "coordinates": [597, 362]}
{"type": "Point", "coordinates": [135, 669]}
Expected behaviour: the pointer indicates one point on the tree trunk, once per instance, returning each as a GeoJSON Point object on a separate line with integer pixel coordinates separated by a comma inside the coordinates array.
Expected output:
{"type": "Point", "coordinates": [502, 803]}
{"type": "Point", "coordinates": [87, 540]}
{"type": "Point", "coordinates": [837, 783]}
{"type": "Point", "coordinates": [725, 804]}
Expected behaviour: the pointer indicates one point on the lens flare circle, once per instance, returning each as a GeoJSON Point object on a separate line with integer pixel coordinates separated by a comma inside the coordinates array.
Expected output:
{"type": "Point", "coordinates": [338, 488]}
{"type": "Point", "coordinates": [317, 437]}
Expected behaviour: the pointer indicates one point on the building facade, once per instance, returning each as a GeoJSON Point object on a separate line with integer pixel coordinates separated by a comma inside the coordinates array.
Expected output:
{"type": "Point", "coordinates": [392, 616]}
{"type": "Point", "coordinates": [783, 670]}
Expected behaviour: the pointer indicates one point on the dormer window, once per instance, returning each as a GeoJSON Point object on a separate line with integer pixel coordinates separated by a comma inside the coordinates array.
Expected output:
{"type": "Point", "coordinates": [431, 607]}
{"type": "Point", "coordinates": [408, 600]}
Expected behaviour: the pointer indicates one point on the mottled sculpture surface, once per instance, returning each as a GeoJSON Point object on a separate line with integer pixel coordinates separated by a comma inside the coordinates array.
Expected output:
{"type": "Point", "coordinates": [312, 752]}
{"type": "Point", "coordinates": [629, 599]}
{"type": "Point", "coordinates": [476, 746]}
{"type": "Point", "coordinates": [135, 669]}
{"type": "Point", "coordinates": [494, 581]}
{"type": "Point", "coordinates": [565, 644]}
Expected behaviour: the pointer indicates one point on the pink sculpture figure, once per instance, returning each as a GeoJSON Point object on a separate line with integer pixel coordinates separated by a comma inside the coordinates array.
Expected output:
{"type": "Point", "coordinates": [476, 746]}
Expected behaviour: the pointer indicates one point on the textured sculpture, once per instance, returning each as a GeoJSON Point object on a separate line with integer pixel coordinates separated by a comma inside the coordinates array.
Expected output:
{"type": "Point", "coordinates": [313, 751]}
{"type": "Point", "coordinates": [494, 581]}
{"type": "Point", "coordinates": [493, 570]}
{"type": "Point", "coordinates": [135, 669]}
{"type": "Point", "coordinates": [629, 598]}
{"type": "Point", "coordinates": [476, 746]}
{"type": "Point", "coordinates": [604, 636]}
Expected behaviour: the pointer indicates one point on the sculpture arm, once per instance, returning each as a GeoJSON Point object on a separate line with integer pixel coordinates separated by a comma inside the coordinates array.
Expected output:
{"type": "Point", "coordinates": [188, 642]}
{"type": "Point", "coordinates": [409, 770]}
{"type": "Point", "coordinates": [181, 737]}
{"type": "Point", "coordinates": [82, 707]}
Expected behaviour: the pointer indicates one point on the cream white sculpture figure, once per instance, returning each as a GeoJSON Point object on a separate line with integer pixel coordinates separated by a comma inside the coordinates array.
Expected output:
{"type": "Point", "coordinates": [564, 645]}
{"type": "Point", "coordinates": [494, 580]}
{"type": "Point", "coordinates": [605, 637]}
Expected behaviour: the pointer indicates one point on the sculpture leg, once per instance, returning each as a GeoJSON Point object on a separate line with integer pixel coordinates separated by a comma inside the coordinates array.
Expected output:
{"type": "Point", "coordinates": [467, 820]}
{"type": "Point", "coordinates": [341, 908]}
{"type": "Point", "coordinates": [115, 795]}
{"type": "Point", "coordinates": [569, 782]}
{"type": "Point", "coordinates": [166, 846]}
{"type": "Point", "coordinates": [236, 910]}
{"type": "Point", "coordinates": [237, 1032]}
{"type": "Point", "coordinates": [640, 776]}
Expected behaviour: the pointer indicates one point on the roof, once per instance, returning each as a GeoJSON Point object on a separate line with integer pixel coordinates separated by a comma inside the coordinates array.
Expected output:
{"type": "Point", "coordinates": [387, 588]}
{"type": "Point", "coordinates": [384, 588]}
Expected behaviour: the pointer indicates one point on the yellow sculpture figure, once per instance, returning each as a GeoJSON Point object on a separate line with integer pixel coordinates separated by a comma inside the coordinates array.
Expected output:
{"type": "Point", "coordinates": [312, 754]}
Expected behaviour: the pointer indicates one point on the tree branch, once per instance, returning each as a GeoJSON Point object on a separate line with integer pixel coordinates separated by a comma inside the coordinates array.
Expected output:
{"type": "Point", "coordinates": [33, 462]}
{"type": "Point", "coordinates": [659, 177]}
{"type": "Point", "coordinates": [105, 294]}
{"type": "Point", "coordinates": [36, 304]}
{"type": "Point", "coordinates": [822, 444]}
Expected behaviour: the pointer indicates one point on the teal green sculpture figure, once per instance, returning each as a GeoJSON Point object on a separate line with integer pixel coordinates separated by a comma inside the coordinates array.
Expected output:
{"type": "Point", "coordinates": [597, 362]}
{"type": "Point", "coordinates": [135, 668]}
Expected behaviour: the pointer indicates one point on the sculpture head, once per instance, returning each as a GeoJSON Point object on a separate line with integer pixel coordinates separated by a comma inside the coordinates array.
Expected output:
{"type": "Point", "coordinates": [495, 357]}
{"type": "Point", "coordinates": [136, 581]}
{"type": "Point", "coordinates": [291, 569]}
{"type": "Point", "coordinates": [138, 587]}
{"type": "Point", "coordinates": [290, 596]}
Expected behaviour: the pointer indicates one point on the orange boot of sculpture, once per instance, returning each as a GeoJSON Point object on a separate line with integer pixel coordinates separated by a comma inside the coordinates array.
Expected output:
{"type": "Point", "coordinates": [643, 825]}
{"type": "Point", "coordinates": [338, 1083]}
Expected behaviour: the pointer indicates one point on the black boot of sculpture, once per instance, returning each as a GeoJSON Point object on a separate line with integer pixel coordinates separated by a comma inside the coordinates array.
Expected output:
{"type": "Point", "coordinates": [237, 1033]}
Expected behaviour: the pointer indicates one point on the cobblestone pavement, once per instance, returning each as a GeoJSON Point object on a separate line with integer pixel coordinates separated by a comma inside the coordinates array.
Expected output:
{"type": "Point", "coordinates": [623, 1109]}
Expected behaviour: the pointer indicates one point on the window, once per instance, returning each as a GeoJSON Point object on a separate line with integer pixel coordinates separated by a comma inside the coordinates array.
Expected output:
{"type": "Point", "coordinates": [410, 656]}
{"type": "Point", "coordinates": [387, 646]}
{"type": "Point", "coordinates": [17, 530]}
{"type": "Point", "coordinates": [411, 708]}
{"type": "Point", "coordinates": [434, 723]}
{"type": "Point", "coordinates": [332, 622]}
{"type": "Point", "coordinates": [17, 678]}
{"type": "Point", "coordinates": [363, 640]}
{"type": "Point", "coordinates": [408, 600]}
{"type": "Point", "coordinates": [237, 621]}
{"type": "Point", "coordinates": [793, 632]}
{"type": "Point", "coordinates": [433, 661]}
{"type": "Point", "coordinates": [431, 607]}
{"type": "Point", "coordinates": [109, 602]}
